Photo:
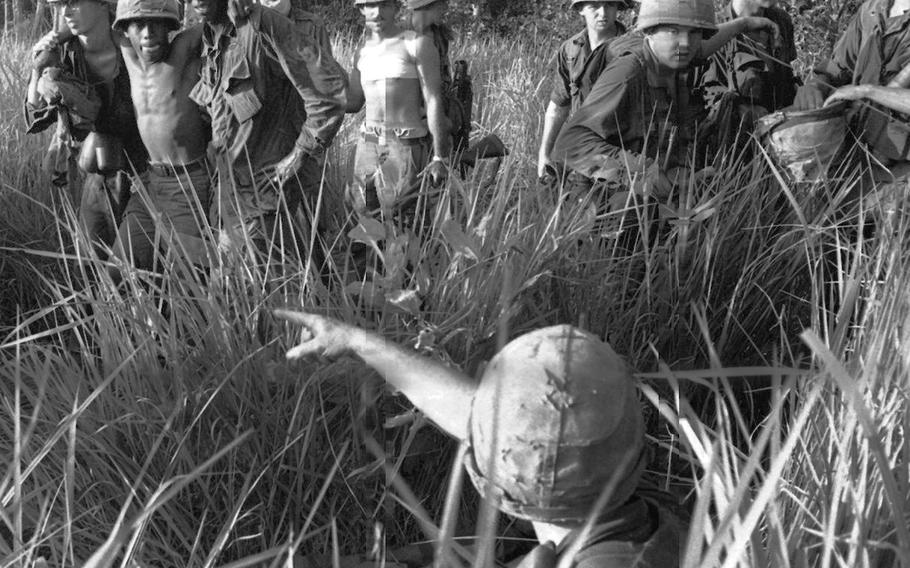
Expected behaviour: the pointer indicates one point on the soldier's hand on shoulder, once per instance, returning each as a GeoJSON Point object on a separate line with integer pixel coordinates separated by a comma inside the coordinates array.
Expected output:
{"type": "Point", "coordinates": [47, 85]}
{"type": "Point", "coordinates": [320, 336]}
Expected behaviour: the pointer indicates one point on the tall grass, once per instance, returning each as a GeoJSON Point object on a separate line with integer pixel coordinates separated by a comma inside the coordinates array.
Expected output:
{"type": "Point", "coordinates": [156, 422]}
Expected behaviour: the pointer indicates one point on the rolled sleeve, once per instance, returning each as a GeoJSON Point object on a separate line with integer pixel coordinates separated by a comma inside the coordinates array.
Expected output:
{"type": "Point", "coordinates": [316, 76]}
{"type": "Point", "coordinates": [559, 94]}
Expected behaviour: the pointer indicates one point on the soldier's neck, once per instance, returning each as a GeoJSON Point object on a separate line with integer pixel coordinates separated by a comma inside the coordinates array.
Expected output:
{"type": "Point", "coordinates": [99, 41]}
{"type": "Point", "coordinates": [596, 38]}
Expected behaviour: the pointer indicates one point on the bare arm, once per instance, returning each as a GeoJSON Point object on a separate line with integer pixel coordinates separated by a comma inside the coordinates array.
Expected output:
{"type": "Point", "coordinates": [431, 84]}
{"type": "Point", "coordinates": [894, 98]}
{"type": "Point", "coordinates": [729, 30]}
{"type": "Point", "coordinates": [442, 393]}
{"type": "Point", "coordinates": [553, 120]}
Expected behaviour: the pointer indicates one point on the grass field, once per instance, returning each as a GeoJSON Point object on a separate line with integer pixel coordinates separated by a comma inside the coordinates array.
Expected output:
{"type": "Point", "coordinates": [159, 424]}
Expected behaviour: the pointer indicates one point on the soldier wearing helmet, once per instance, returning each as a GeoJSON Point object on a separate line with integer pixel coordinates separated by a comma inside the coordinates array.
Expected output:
{"type": "Point", "coordinates": [162, 72]}
{"type": "Point", "coordinates": [80, 84]}
{"type": "Point", "coordinates": [751, 77]}
{"type": "Point", "coordinates": [640, 108]}
{"type": "Point", "coordinates": [553, 421]}
{"type": "Point", "coordinates": [276, 101]}
{"type": "Point", "coordinates": [579, 62]}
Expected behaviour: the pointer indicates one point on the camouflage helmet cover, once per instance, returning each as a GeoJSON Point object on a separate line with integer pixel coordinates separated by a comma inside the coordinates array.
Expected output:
{"type": "Point", "coordinates": [146, 9]}
{"type": "Point", "coordinates": [554, 417]}
{"type": "Point", "coordinates": [695, 13]}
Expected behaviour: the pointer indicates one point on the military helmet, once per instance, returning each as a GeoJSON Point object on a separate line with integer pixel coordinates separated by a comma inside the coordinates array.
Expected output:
{"type": "Point", "coordinates": [623, 3]}
{"type": "Point", "coordinates": [418, 4]}
{"type": "Point", "coordinates": [694, 13]}
{"type": "Point", "coordinates": [554, 417]}
{"type": "Point", "coordinates": [146, 9]}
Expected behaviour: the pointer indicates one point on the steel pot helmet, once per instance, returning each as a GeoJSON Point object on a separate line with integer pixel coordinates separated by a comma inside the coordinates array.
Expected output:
{"type": "Point", "coordinates": [553, 418]}
{"type": "Point", "coordinates": [695, 13]}
{"type": "Point", "coordinates": [146, 9]}
{"type": "Point", "coordinates": [623, 4]}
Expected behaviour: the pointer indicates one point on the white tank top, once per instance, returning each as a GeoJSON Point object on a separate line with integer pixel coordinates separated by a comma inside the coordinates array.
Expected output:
{"type": "Point", "coordinates": [393, 58]}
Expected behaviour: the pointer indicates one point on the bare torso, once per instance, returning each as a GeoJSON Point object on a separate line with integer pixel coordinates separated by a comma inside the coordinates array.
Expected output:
{"type": "Point", "coordinates": [170, 123]}
{"type": "Point", "coordinates": [391, 86]}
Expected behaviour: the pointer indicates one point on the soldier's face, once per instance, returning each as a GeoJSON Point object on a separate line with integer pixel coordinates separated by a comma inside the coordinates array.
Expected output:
{"type": "Point", "coordinates": [379, 16]}
{"type": "Point", "coordinates": [675, 46]}
{"type": "Point", "coordinates": [149, 38]}
{"type": "Point", "coordinates": [83, 16]}
{"type": "Point", "coordinates": [211, 10]}
{"type": "Point", "coordinates": [599, 16]}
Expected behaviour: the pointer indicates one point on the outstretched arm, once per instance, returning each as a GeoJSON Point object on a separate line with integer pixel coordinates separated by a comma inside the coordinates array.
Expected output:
{"type": "Point", "coordinates": [442, 393]}
{"type": "Point", "coordinates": [431, 85]}
{"type": "Point", "coordinates": [894, 98]}
{"type": "Point", "coordinates": [729, 30]}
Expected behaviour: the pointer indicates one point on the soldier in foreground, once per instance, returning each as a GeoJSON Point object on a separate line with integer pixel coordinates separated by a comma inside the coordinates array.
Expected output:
{"type": "Point", "coordinates": [276, 105]}
{"type": "Point", "coordinates": [579, 62]}
{"type": "Point", "coordinates": [396, 75]}
{"type": "Point", "coordinates": [81, 84]}
{"type": "Point", "coordinates": [162, 74]}
{"type": "Point", "coordinates": [553, 420]}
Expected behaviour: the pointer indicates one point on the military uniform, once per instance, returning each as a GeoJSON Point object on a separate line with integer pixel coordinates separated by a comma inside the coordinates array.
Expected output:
{"type": "Point", "coordinates": [749, 77]}
{"type": "Point", "coordinates": [629, 110]}
{"type": "Point", "coordinates": [267, 89]}
{"type": "Point", "coordinates": [98, 106]}
{"type": "Point", "coordinates": [873, 50]}
{"type": "Point", "coordinates": [578, 67]}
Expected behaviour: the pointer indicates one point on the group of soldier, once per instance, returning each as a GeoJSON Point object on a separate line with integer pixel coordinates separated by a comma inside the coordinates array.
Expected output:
{"type": "Point", "coordinates": [240, 110]}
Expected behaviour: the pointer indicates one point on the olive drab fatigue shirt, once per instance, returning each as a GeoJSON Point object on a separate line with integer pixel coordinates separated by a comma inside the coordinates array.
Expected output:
{"type": "Point", "coordinates": [873, 49]}
{"type": "Point", "coordinates": [267, 88]}
{"type": "Point", "coordinates": [115, 116]}
{"type": "Point", "coordinates": [630, 109]}
{"type": "Point", "coordinates": [578, 67]}
{"type": "Point", "coordinates": [752, 66]}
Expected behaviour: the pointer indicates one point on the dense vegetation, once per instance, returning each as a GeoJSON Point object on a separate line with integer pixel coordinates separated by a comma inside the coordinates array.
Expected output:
{"type": "Point", "coordinates": [158, 423]}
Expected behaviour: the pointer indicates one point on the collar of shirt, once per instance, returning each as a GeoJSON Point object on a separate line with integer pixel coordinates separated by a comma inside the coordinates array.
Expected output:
{"type": "Point", "coordinates": [214, 35]}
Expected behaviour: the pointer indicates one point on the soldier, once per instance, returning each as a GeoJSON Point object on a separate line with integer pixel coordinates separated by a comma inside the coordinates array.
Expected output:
{"type": "Point", "coordinates": [873, 51]}
{"type": "Point", "coordinates": [552, 421]}
{"type": "Point", "coordinates": [81, 84]}
{"type": "Point", "coordinates": [396, 75]}
{"type": "Point", "coordinates": [752, 76]}
{"type": "Point", "coordinates": [579, 62]}
{"type": "Point", "coordinates": [162, 74]}
{"type": "Point", "coordinates": [276, 104]}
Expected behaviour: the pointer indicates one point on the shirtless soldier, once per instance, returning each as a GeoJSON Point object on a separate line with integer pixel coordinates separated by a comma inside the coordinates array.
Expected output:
{"type": "Point", "coordinates": [162, 74]}
{"type": "Point", "coordinates": [397, 76]}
